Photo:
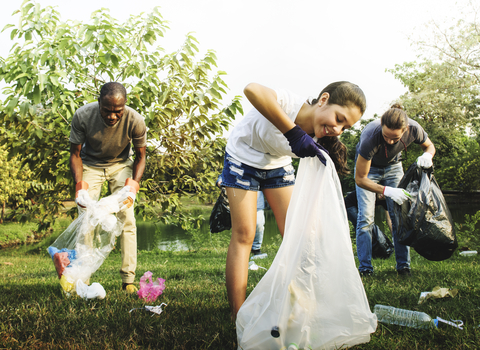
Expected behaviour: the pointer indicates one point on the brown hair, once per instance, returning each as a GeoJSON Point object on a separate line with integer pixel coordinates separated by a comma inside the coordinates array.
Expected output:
{"type": "Point", "coordinates": [345, 94]}
{"type": "Point", "coordinates": [338, 152]}
{"type": "Point", "coordinates": [395, 118]}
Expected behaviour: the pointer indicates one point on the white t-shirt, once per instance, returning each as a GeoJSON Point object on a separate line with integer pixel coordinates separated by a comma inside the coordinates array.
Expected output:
{"type": "Point", "coordinates": [255, 141]}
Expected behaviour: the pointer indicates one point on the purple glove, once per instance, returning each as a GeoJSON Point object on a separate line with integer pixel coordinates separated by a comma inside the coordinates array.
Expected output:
{"type": "Point", "coordinates": [303, 145]}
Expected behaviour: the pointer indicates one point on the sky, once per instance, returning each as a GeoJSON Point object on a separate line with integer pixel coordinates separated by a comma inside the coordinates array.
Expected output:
{"type": "Point", "coordinates": [297, 45]}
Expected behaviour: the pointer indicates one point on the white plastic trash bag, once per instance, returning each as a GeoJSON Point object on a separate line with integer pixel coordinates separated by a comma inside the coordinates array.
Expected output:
{"type": "Point", "coordinates": [82, 248]}
{"type": "Point", "coordinates": [312, 295]}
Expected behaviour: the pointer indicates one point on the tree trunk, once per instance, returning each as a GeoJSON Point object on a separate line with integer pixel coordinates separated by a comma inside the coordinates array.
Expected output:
{"type": "Point", "coordinates": [3, 212]}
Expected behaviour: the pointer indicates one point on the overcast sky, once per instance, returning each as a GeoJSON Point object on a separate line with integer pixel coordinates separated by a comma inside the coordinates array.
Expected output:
{"type": "Point", "coordinates": [298, 45]}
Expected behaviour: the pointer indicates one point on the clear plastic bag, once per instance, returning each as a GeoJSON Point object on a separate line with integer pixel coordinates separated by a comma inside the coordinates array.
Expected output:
{"type": "Point", "coordinates": [312, 295]}
{"type": "Point", "coordinates": [82, 248]}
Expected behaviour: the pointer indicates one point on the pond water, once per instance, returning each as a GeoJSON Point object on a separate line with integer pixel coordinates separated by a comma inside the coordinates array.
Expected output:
{"type": "Point", "coordinates": [169, 237]}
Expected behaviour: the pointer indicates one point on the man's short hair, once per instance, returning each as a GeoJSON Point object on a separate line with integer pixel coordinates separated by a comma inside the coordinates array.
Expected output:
{"type": "Point", "coordinates": [113, 88]}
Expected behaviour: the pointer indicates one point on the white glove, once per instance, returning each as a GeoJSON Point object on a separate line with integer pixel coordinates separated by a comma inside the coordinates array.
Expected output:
{"type": "Point", "coordinates": [128, 193]}
{"type": "Point", "coordinates": [425, 160]}
{"type": "Point", "coordinates": [399, 195]}
{"type": "Point", "coordinates": [83, 198]}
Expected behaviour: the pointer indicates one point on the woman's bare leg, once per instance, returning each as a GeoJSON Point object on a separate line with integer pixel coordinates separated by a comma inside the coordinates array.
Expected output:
{"type": "Point", "coordinates": [243, 210]}
{"type": "Point", "coordinates": [279, 199]}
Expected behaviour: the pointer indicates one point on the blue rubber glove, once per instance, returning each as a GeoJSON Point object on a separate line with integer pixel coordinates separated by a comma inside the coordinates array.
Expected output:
{"type": "Point", "coordinates": [303, 145]}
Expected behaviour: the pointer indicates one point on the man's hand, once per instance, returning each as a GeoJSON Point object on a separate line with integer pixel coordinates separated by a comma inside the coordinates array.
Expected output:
{"type": "Point", "coordinates": [82, 197]}
{"type": "Point", "coordinates": [303, 145]}
{"type": "Point", "coordinates": [399, 195]}
{"type": "Point", "coordinates": [128, 193]}
{"type": "Point", "coordinates": [425, 160]}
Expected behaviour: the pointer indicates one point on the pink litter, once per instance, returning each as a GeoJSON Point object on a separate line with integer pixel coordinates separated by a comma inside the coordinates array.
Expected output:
{"type": "Point", "coordinates": [150, 290]}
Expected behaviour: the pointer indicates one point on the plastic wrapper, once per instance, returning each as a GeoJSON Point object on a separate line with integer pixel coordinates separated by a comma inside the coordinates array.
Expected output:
{"type": "Point", "coordinates": [438, 293]}
{"type": "Point", "coordinates": [312, 295]}
{"type": "Point", "coordinates": [94, 291]}
{"type": "Point", "coordinates": [220, 217]}
{"type": "Point", "coordinates": [424, 222]}
{"type": "Point", "coordinates": [150, 289]}
{"type": "Point", "coordinates": [83, 247]}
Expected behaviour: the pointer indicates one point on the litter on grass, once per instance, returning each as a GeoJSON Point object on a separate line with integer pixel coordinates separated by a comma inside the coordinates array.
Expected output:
{"type": "Point", "coordinates": [468, 253]}
{"type": "Point", "coordinates": [155, 309]}
{"type": "Point", "coordinates": [95, 290]}
{"type": "Point", "coordinates": [454, 323]}
{"type": "Point", "coordinates": [253, 266]}
{"type": "Point", "coordinates": [150, 290]}
{"type": "Point", "coordinates": [437, 293]}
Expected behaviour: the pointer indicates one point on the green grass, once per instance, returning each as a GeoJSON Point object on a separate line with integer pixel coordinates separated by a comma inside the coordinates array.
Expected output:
{"type": "Point", "coordinates": [386, 288]}
{"type": "Point", "coordinates": [14, 233]}
{"type": "Point", "coordinates": [34, 313]}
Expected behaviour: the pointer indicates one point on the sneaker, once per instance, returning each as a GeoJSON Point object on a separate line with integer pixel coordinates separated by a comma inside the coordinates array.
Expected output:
{"type": "Point", "coordinates": [129, 288]}
{"type": "Point", "coordinates": [257, 254]}
{"type": "Point", "coordinates": [366, 273]}
{"type": "Point", "coordinates": [404, 272]}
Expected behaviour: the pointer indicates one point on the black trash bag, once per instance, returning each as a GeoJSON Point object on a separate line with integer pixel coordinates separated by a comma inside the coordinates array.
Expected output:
{"type": "Point", "coordinates": [382, 247]}
{"type": "Point", "coordinates": [220, 217]}
{"type": "Point", "coordinates": [425, 222]}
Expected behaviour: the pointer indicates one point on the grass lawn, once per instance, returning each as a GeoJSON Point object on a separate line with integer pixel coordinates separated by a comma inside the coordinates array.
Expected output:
{"type": "Point", "coordinates": [35, 314]}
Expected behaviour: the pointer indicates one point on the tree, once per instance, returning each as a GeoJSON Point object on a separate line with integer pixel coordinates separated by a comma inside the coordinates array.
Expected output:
{"type": "Point", "coordinates": [462, 172]}
{"type": "Point", "coordinates": [454, 42]}
{"type": "Point", "coordinates": [440, 96]}
{"type": "Point", "coordinates": [444, 91]}
{"type": "Point", "coordinates": [445, 101]}
{"type": "Point", "coordinates": [15, 184]}
{"type": "Point", "coordinates": [55, 67]}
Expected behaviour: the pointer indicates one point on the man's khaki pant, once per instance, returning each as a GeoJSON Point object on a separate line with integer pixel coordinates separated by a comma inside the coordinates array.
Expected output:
{"type": "Point", "coordinates": [116, 175]}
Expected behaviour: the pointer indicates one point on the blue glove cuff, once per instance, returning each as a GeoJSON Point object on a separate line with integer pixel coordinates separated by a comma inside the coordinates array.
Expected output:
{"type": "Point", "coordinates": [294, 134]}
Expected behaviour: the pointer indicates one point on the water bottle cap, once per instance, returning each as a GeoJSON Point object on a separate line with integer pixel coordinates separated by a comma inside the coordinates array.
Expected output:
{"type": "Point", "coordinates": [275, 332]}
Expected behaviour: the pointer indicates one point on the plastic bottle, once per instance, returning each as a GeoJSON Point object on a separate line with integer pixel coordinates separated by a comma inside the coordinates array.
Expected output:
{"type": "Point", "coordinates": [468, 253]}
{"type": "Point", "coordinates": [401, 317]}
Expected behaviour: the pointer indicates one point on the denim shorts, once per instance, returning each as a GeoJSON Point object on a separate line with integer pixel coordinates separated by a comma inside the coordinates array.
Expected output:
{"type": "Point", "coordinates": [238, 175]}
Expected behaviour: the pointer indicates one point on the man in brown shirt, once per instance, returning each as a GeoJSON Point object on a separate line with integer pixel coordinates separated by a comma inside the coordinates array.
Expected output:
{"type": "Point", "coordinates": [100, 150]}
